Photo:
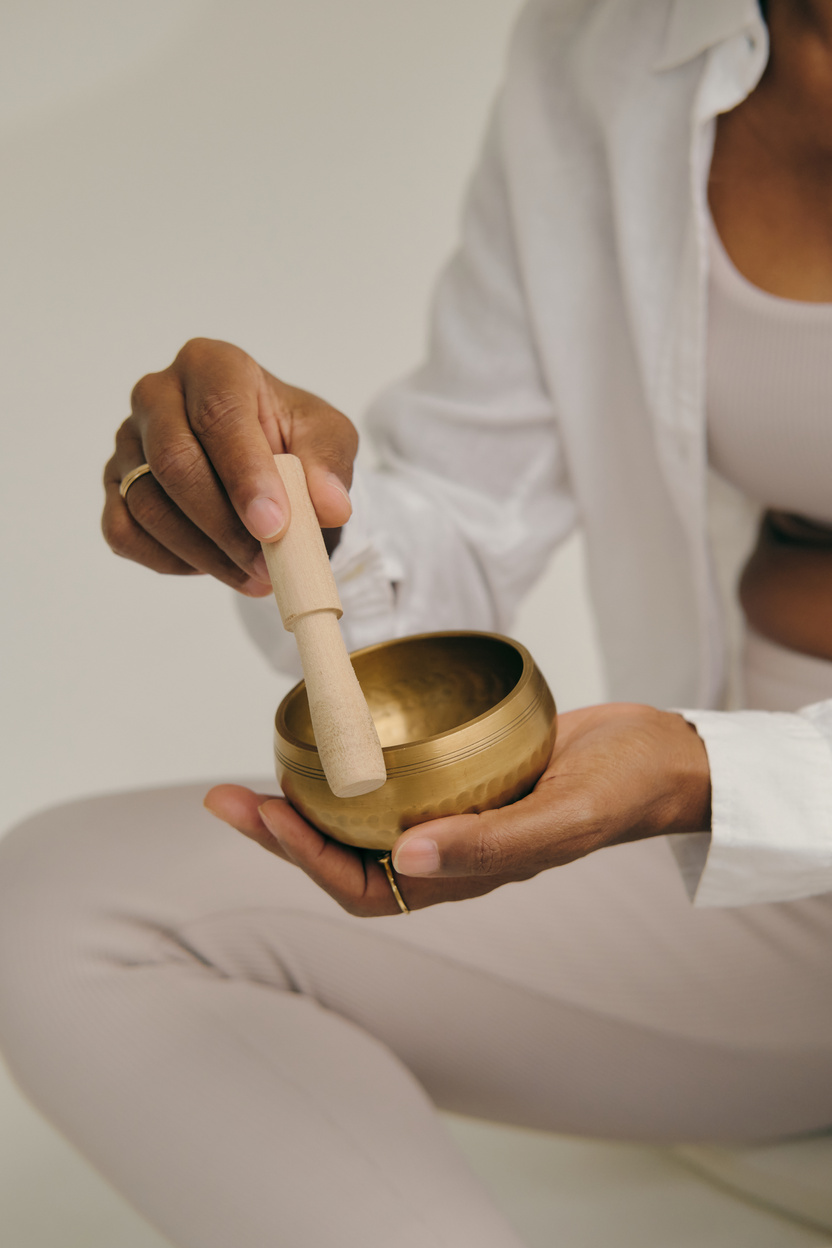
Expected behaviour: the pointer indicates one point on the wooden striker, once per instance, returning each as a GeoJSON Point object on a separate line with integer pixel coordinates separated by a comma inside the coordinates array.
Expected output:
{"type": "Point", "coordinates": [345, 735]}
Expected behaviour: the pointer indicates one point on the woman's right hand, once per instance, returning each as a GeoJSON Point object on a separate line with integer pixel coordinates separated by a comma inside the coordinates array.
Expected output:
{"type": "Point", "coordinates": [209, 426]}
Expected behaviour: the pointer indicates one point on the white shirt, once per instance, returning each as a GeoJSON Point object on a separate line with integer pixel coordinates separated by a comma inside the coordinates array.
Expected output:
{"type": "Point", "coordinates": [565, 384]}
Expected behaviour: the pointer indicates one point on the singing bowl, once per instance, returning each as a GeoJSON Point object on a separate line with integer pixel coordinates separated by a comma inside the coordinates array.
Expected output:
{"type": "Point", "coordinates": [466, 722]}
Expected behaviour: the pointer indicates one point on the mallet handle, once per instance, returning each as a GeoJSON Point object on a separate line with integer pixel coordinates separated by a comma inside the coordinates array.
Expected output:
{"type": "Point", "coordinates": [345, 735]}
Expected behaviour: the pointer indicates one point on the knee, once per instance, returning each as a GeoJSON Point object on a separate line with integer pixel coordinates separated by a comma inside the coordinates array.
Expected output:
{"type": "Point", "coordinates": [26, 887]}
{"type": "Point", "coordinates": [33, 936]}
{"type": "Point", "coordinates": [50, 910]}
{"type": "Point", "coordinates": [90, 892]}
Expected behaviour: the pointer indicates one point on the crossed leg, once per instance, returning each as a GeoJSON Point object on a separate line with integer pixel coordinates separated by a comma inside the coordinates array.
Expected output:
{"type": "Point", "coordinates": [248, 1064]}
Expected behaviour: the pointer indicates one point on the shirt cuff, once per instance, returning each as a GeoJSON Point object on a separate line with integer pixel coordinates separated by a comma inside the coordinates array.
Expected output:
{"type": "Point", "coordinates": [771, 820]}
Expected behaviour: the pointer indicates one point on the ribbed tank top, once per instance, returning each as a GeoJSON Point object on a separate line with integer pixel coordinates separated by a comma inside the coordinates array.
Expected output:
{"type": "Point", "coordinates": [769, 392]}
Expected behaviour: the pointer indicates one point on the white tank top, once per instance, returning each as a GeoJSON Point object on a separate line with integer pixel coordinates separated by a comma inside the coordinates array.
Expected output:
{"type": "Point", "coordinates": [769, 392]}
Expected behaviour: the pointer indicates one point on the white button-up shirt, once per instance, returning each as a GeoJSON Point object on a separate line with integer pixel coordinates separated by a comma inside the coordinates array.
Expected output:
{"type": "Point", "coordinates": [564, 385]}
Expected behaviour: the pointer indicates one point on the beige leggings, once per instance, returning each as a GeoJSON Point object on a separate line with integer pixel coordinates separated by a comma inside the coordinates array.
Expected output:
{"type": "Point", "coordinates": [254, 1068]}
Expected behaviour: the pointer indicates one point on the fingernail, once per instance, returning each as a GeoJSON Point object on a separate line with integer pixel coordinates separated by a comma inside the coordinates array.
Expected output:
{"type": "Point", "coordinates": [213, 812]}
{"type": "Point", "coordinates": [254, 588]}
{"type": "Point", "coordinates": [417, 857]}
{"type": "Point", "coordinates": [260, 568]}
{"type": "Point", "coordinates": [264, 815]}
{"type": "Point", "coordinates": [264, 518]}
{"type": "Point", "coordinates": [338, 484]}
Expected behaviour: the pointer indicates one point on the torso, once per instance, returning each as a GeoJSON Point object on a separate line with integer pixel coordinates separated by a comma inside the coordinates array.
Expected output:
{"type": "Point", "coordinates": [770, 194]}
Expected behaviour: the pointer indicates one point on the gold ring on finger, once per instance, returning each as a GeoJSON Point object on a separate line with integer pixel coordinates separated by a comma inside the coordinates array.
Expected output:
{"type": "Point", "coordinates": [126, 482]}
{"type": "Point", "coordinates": [384, 860]}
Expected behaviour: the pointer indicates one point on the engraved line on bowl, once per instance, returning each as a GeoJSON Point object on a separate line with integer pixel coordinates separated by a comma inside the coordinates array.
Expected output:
{"type": "Point", "coordinates": [458, 756]}
{"type": "Point", "coordinates": [527, 674]}
{"type": "Point", "coordinates": [432, 764]}
{"type": "Point", "coordinates": [406, 769]}
{"type": "Point", "coordinates": [298, 769]}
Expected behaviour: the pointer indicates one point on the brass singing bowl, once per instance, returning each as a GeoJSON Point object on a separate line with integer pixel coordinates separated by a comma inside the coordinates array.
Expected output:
{"type": "Point", "coordinates": [466, 722]}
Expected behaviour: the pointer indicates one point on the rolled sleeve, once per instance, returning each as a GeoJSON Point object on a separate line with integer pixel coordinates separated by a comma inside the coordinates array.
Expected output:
{"type": "Point", "coordinates": [771, 826]}
{"type": "Point", "coordinates": [470, 490]}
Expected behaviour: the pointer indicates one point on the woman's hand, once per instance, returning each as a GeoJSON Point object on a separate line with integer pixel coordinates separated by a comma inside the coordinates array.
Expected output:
{"type": "Point", "coordinates": [619, 772]}
{"type": "Point", "coordinates": [208, 426]}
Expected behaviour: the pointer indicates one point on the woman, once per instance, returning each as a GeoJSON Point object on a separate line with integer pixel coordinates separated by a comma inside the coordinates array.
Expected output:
{"type": "Point", "coordinates": [644, 282]}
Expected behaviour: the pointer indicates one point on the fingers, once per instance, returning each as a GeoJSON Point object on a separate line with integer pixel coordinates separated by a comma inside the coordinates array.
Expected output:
{"type": "Point", "coordinates": [241, 417]}
{"type": "Point", "coordinates": [239, 807]}
{"type": "Point", "coordinates": [545, 829]}
{"type": "Point", "coordinates": [209, 426]}
{"type": "Point", "coordinates": [196, 423]}
{"type": "Point", "coordinates": [148, 528]}
{"type": "Point", "coordinates": [326, 442]}
{"type": "Point", "coordinates": [127, 538]}
{"type": "Point", "coordinates": [351, 876]}
{"type": "Point", "coordinates": [462, 845]}
{"type": "Point", "coordinates": [222, 448]}
{"type": "Point", "coordinates": [618, 772]}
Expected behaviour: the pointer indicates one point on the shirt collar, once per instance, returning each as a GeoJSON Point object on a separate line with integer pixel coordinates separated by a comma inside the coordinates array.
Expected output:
{"type": "Point", "coordinates": [694, 26]}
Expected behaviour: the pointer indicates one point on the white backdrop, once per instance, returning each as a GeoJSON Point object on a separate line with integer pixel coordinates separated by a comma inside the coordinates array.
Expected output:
{"type": "Point", "coordinates": [285, 175]}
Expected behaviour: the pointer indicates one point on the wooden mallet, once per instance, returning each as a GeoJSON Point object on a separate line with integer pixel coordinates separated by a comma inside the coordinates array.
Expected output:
{"type": "Point", "coordinates": [345, 735]}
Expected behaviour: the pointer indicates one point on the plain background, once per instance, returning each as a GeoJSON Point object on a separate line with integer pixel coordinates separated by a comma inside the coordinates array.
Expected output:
{"type": "Point", "coordinates": [284, 174]}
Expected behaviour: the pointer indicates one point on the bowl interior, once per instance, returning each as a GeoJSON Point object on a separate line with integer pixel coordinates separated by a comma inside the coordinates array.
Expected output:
{"type": "Point", "coordinates": [420, 687]}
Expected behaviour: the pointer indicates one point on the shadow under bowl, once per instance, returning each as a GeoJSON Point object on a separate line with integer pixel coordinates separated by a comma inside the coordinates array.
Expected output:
{"type": "Point", "coordinates": [466, 722]}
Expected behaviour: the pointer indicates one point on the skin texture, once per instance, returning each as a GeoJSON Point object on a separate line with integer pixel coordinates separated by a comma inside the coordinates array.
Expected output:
{"type": "Point", "coordinates": [786, 587]}
{"type": "Point", "coordinates": [770, 185]}
{"type": "Point", "coordinates": [208, 426]}
{"type": "Point", "coordinates": [770, 194]}
{"type": "Point", "coordinates": [619, 772]}
{"type": "Point", "coordinates": [209, 423]}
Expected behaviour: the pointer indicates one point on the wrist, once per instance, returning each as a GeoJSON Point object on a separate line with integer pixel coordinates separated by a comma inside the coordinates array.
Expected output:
{"type": "Point", "coordinates": [690, 807]}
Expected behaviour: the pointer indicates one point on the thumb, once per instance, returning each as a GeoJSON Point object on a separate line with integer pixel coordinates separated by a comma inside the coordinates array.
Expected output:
{"type": "Point", "coordinates": [325, 441]}
{"type": "Point", "coordinates": [510, 842]}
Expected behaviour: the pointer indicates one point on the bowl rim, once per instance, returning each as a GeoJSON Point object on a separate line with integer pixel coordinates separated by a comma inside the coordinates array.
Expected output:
{"type": "Point", "coordinates": [526, 673]}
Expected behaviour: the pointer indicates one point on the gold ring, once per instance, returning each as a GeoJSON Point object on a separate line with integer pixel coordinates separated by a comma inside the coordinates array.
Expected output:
{"type": "Point", "coordinates": [127, 481]}
{"type": "Point", "coordinates": [384, 860]}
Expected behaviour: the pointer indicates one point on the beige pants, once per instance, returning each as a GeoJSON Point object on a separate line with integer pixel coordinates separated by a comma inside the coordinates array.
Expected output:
{"type": "Point", "coordinates": [254, 1068]}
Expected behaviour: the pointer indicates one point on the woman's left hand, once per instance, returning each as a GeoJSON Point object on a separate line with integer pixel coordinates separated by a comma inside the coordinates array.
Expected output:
{"type": "Point", "coordinates": [619, 772]}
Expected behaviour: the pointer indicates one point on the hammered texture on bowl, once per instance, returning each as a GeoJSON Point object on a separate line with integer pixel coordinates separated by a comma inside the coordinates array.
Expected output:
{"type": "Point", "coordinates": [466, 721]}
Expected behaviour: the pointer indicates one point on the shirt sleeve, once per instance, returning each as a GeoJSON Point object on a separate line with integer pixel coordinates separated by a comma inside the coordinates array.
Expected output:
{"type": "Point", "coordinates": [470, 491]}
{"type": "Point", "coordinates": [771, 821]}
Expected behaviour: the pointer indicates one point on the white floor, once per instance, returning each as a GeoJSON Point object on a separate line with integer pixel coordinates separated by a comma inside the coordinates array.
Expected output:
{"type": "Point", "coordinates": [558, 1192]}
{"type": "Point", "coordinates": [568, 1193]}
